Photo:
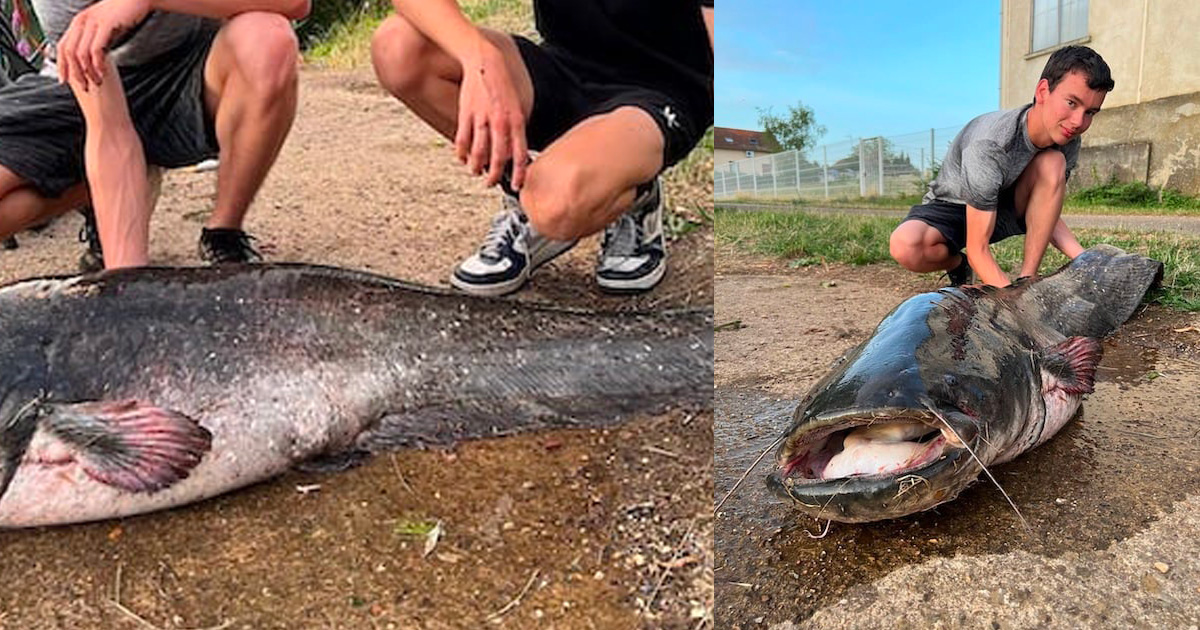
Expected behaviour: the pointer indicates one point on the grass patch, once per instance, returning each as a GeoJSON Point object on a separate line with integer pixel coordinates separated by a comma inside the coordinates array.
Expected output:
{"type": "Point", "coordinates": [805, 238]}
{"type": "Point", "coordinates": [1134, 198]}
{"type": "Point", "coordinates": [689, 190]}
{"type": "Point", "coordinates": [346, 43]}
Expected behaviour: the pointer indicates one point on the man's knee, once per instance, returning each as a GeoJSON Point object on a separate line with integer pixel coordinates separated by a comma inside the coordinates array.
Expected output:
{"type": "Point", "coordinates": [903, 250]}
{"type": "Point", "coordinates": [397, 49]}
{"type": "Point", "coordinates": [908, 244]}
{"type": "Point", "coordinates": [266, 52]}
{"type": "Point", "coordinates": [552, 201]}
{"type": "Point", "coordinates": [1049, 168]}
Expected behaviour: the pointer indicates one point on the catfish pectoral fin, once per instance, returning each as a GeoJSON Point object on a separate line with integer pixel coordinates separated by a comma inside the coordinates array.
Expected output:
{"type": "Point", "coordinates": [1073, 363]}
{"type": "Point", "coordinates": [127, 444]}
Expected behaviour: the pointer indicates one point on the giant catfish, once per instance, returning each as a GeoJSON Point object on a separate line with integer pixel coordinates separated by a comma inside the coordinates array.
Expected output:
{"type": "Point", "coordinates": [142, 389]}
{"type": "Point", "coordinates": [953, 381]}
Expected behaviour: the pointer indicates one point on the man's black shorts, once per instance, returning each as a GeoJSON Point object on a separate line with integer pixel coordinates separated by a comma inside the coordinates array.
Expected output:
{"type": "Point", "coordinates": [563, 97]}
{"type": "Point", "coordinates": [42, 128]}
{"type": "Point", "coordinates": [951, 220]}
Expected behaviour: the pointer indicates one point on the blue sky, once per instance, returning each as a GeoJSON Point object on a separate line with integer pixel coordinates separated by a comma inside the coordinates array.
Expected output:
{"type": "Point", "coordinates": [865, 68]}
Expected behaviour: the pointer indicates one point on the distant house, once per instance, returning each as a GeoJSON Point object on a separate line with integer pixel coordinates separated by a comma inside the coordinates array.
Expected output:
{"type": "Point", "coordinates": [731, 145]}
{"type": "Point", "coordinates": [1149, 127]}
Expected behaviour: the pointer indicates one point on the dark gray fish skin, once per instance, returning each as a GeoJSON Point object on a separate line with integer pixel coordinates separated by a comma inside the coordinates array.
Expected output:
{"type": "Point", "coordinates": [277, 364]}
{"type": "Point", "coordinates": [997, 369]}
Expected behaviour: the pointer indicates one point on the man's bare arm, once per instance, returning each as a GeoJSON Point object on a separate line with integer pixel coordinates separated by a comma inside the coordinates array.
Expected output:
{"type": "Point", "coordinates": [980, 224]}
{"type": "Point", "coordinates": [116, 173]}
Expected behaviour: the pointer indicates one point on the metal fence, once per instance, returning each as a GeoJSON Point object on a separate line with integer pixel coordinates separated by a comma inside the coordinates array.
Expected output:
{"type": "Point", "coordinates": [868, 167]}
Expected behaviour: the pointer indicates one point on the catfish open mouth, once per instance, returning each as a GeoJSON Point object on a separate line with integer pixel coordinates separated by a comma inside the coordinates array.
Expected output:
{"type": "Point", "coordinates": [869, 444]}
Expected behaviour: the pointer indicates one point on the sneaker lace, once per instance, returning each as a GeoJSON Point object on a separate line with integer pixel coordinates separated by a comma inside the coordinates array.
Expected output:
{"type": "Point", "coordinates": [624, 237]}
{"type": "Point", "coordinates": [506, 224]}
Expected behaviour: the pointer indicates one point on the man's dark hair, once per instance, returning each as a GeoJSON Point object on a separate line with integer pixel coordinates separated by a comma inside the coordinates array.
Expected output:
{"type": "Point", "coordinates": [1078, 59]}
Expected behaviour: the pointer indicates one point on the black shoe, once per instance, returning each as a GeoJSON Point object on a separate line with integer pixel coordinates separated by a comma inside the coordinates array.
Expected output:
{"type": "Point", "coordinates": [961, 274]}
{"type": "Point", "coordinates": [91, 259]}
{"type": "Point", "coordinates": [633, 253]}
{"type": "Point", "coordinates": [227, 245]}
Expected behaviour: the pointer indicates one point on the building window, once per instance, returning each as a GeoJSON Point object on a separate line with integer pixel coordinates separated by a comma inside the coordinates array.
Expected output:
{"type": "Point", "coordinates": [1058, 21]}
{"type": "Point", "coordinates": [753, 140]}
{"type": "Point", "coordinates": [728, 139]}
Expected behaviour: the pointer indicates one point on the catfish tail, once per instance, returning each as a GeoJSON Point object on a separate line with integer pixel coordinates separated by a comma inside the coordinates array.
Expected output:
{"type": "Point", "coordinates": [1095, 293]}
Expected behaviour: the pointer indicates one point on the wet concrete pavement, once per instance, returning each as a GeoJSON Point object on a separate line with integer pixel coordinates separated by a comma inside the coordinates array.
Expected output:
{"type": "Point", "coordinates": [1112, 505]}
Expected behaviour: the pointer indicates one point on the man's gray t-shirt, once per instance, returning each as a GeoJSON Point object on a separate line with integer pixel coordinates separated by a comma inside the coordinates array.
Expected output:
{"type": "Point", "coordinates": [160, 33]}
{"type": "Point", "coordinates": [988, 156]}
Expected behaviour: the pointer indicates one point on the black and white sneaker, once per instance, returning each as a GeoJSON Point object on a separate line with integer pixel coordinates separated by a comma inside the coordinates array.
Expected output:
{"type": "Point", "coordinates": [510, 252]}
{"type": "Point", "coordinates": [633, 253]}
{"type": "Point", "coordinates": [219, 246]}
{"type": "Point", "coordinates": [92, 258]}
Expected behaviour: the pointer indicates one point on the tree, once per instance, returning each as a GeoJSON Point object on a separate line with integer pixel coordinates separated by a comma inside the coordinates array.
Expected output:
{"type": "Point", "coordinates": [797, 130]}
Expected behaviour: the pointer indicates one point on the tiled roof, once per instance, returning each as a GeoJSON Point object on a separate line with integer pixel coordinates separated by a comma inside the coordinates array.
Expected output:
{"type": "Point", "coordinates": [742, 140]}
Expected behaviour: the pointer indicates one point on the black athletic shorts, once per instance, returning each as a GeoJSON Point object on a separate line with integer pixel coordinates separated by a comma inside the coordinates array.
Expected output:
{"type": "Point", "coordinates": [42, 129]}
{"type": "Point", "coordinates": [562, 97]}
{"type": "Point", "coordinates": [951, 220]}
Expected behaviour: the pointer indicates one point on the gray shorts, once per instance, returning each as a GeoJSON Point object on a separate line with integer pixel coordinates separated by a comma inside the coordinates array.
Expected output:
{"type": "Point", "coordinates": [42, 128]}
{"type": "Point", "coordinates": [951, 220]}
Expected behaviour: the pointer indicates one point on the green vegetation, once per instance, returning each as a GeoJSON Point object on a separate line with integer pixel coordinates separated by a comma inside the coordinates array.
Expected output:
{"type": "Point", "coordinates": [416, 528]}
{"type": "Point", "coordinates": [1112, 198]}
{"type": "Point", "coordinates": [689, 190]}
{"type": "Point", "coordinates": [1132, 198]}
{"type": "Point", "coordinates": [338, 33]}
{"type": "Point", "coordinates": [808, 238]}
{"type": "Point", "coordinates": [797, 130]}
{"type": "Point", "coordinates": [347, 43]}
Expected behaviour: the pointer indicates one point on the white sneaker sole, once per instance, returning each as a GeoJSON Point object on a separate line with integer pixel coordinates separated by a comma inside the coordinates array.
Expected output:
{"type": "Point", "coordinates": [634, 285]}
{"type": "Point", "coordinates": [548, 251]}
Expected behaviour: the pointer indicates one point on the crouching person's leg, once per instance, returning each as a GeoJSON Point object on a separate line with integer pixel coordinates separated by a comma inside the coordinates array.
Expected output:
{"type": "Point", "coordinates": [920, 247]}
{"type": "Point", "coordinates": [251, 85]}
{"type": "Point", "coordinates": [602, 175]}
{"type": "Point", "coordinates": [1038, 200]}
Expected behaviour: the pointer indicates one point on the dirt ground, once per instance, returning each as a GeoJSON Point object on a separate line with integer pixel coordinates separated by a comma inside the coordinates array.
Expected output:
{"type": "Point", "coordinates": [1111, 502]}
{"type": "Point", "coordinates": [572, 529]}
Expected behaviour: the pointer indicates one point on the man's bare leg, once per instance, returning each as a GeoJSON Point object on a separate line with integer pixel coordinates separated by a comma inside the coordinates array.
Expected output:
{"type": "Point", "coordinates": [920, 247]}
{"type": "Point", "coordinates": [21, 207]}
{"type": "Point", "coordinates": [251, 80]}
{"type": "Point", "coordinates": [589, 176]}
{"type": "Point", "coordinates": [1038, 197]}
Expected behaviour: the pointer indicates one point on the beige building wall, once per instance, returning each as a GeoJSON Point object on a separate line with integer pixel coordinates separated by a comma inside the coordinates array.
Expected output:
{"type": "Point", "coordinates": [1151, 46]}
{"type": "Point", "coordinates": [722, 158]}
{"type": "Point", "coordinates": [1149, 128]}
